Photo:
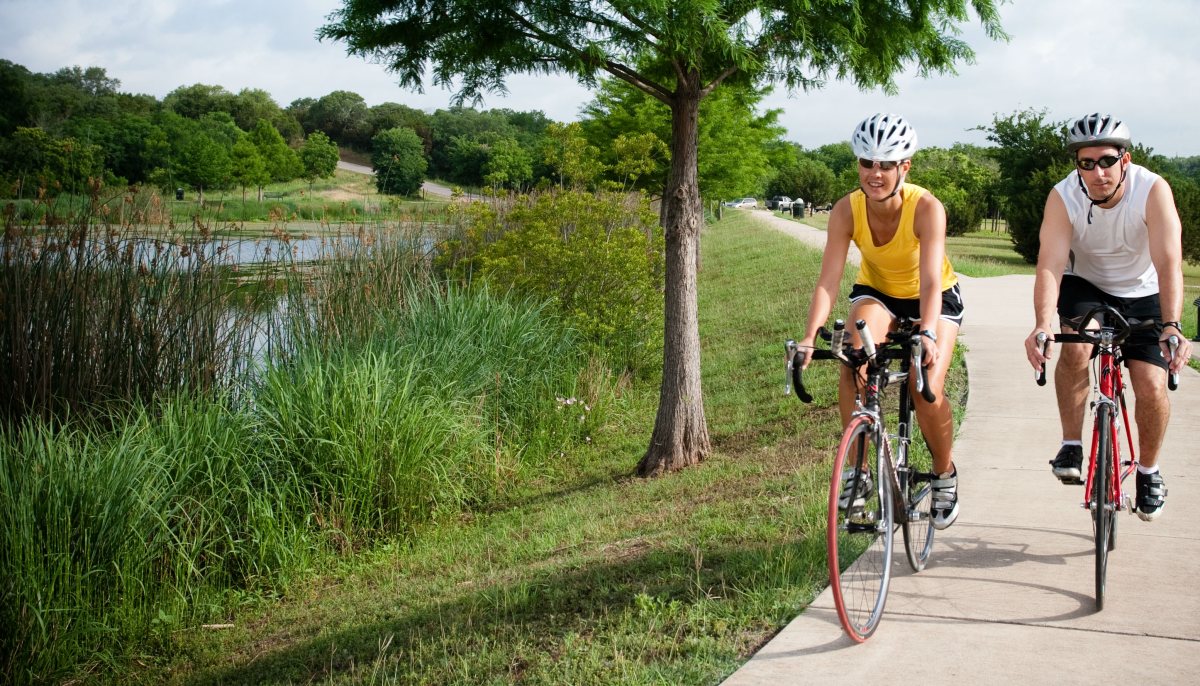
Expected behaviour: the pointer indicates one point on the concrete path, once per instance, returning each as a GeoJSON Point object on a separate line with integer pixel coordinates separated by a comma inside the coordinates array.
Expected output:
{"type": "Point", "coordinates": [429, 187]}
{"type": "Point", "coordinates": [1007, 597]}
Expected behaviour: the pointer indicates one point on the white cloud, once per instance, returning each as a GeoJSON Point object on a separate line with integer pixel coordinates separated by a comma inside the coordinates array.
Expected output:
{"type": "Point", "coordinates": [1137, 60]}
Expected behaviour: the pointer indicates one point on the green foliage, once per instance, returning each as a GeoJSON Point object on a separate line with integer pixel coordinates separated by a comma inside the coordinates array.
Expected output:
{"type": "Point", "coordinates": [319, 157]}
{"type": "Point", "coordinates": [343, 116]}
{"type": "Point", "coordinates": [508, 165]}
{"type": "Point", "coordinates": [961, 183]}
{"type": "Point", "coordinates": [598, 256]}
{"type": "Point", "coordinates": [204, 163]}
{"type": "Point", "coordinates": [837, 156]}
{"type": "Point", "coordinates": [807, 179]}
{"type": "Point", "coordinates": [1033, 157]}
{"type": "Point", "coordinates": [36, 160]}
{"type": "Point", "coordinates": [198, 100]}
{"type": "Point", "coordinates": [733, 138]}
{"type": "Point", "coordinates": [247, 167]}
{"type": "Point", "coordinates": [566, 151]}
{"type": "Point", "coordinates": [251, 105]}
{"type": "Point", "coordinates": [397, 160]}
{"type": "Point", "coordinates": [282, 162]}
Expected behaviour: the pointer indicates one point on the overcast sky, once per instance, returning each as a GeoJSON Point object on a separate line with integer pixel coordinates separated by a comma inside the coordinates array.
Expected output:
{"type": "Point", "coordinates": [1139, 60]}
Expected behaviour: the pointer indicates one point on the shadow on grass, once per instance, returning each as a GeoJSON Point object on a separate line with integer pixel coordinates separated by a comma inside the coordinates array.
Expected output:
{"type": "Point", "coordinates": [502, 628]}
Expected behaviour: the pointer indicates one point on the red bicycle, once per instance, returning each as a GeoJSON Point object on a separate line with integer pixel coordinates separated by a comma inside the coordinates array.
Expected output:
{"type": "Point", "coordinates": [1106, 469]}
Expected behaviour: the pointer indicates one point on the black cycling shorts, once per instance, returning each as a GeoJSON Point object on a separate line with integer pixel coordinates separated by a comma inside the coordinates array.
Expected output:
{"type": "Point", "coordinates": [1077, 295]}
{"type": "Point", "coordinates": [952, 304]}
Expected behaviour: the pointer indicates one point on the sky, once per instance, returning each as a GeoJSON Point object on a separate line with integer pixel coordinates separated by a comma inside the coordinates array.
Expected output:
{"type": "Point", "coordinates": [1138, 60]}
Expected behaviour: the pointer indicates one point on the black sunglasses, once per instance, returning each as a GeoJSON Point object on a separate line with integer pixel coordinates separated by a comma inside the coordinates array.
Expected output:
{"type": "Point", "coordinates": [870, 164]}
{"type": "Point", "coordinates": [1104, 162]}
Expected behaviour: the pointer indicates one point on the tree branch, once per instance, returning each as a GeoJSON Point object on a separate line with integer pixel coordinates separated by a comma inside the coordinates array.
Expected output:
{"type": "Point", "coordinates": [717, 81]}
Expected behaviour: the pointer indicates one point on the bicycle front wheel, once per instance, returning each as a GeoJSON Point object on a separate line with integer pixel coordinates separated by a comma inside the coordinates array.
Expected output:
{"type": "Point", "coordinates": [860, 538]}
{"type": "Point", "coordinates": [1102, 510]}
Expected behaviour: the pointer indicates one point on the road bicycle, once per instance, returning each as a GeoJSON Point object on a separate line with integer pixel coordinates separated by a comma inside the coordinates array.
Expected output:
{"type": "Point", "coordinates": [860, 537]}
{"type": "Point", "coordinates": [1106, 470]}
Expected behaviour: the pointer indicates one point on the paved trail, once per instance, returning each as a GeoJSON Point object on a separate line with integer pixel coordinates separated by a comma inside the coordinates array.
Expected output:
{"type": "Point", "coordinates": [1007, 597]}
{"type": "Point", "coordinates": [429, 187]}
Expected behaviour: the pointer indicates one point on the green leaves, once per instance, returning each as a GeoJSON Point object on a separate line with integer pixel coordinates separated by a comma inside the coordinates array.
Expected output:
{"type": "Point", "coordinates": [319, 156]}
{"type": "Point", "coordinates": [398, 162]}
{"type": "Point", "coordinates": [474, 44]}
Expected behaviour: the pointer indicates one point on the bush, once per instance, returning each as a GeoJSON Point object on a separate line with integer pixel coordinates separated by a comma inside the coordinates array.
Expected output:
{"type": "Point", "coordinates": [598, 256]}
{"type": "Point", "coordinates": [809, 180]}
{"type": "Point", "coordinates": [1033, 157]}
{"type": "Point", "coordinates": [396, 155]}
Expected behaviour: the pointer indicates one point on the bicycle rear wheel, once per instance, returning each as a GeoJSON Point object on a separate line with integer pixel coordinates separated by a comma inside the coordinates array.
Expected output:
{"type": "Point", "coordinates": [860, 539]}
{"type": "Point", "coordinates": [1102, 513]}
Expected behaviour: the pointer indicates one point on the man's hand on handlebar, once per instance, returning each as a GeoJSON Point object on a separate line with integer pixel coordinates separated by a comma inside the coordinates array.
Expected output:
{"type": "Point", "coordinates": [1033, 348]}
{"type": "Point", "coordinates": [1183, 352]}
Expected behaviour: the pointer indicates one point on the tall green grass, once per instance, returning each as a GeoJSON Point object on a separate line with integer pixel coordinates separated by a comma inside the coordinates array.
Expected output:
{"type": "Point", "coordinates": [187, 432]}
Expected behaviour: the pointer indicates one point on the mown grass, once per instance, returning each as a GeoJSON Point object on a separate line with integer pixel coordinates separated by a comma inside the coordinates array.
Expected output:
{"type": "Point", "coordinates": [585, 574]}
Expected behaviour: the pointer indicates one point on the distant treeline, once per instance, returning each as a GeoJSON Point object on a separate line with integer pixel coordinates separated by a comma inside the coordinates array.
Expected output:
{"type": "Point", "coordinates": [58, 130]}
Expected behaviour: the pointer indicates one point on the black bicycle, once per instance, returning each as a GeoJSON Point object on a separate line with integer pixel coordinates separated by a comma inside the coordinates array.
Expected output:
{"type": "Point", "coordinates": [860, 536]}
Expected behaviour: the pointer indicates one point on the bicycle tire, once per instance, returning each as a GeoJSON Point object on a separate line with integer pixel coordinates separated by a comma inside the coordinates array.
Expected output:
{"type": "Point", "coordinates": [1102, 514]}
{"type": "Point", "coordinates": [860, 540]}
{"type": "Point", "coordinates": [918, 533]}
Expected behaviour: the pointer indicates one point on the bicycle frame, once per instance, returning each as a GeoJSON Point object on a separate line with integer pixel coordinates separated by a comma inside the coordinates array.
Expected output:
{"type": "Point", "coordinates": [1110, 390]}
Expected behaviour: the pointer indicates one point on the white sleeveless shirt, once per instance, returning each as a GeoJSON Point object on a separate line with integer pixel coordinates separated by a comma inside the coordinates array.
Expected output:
{"type": "Point", "coordinates": [1113, 251]}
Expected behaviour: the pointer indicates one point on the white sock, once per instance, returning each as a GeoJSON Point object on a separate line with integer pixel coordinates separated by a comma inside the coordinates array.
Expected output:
{"type": "Point", "coordinates": [1078, 443]}
{"type": "Point", "coordinates": [1147, 470]}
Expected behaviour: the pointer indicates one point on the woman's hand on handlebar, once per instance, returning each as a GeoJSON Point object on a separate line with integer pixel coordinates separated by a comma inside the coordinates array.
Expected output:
{"type": "Point", "coordinates": [805, 347]}
{"type": "Point", "coordinates": [931, 351]}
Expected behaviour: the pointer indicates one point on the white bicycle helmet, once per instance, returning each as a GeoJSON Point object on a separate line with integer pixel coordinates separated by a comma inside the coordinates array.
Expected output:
{"type": "Point", "coordinates": [884, 138]}
{"type": "Point", "coordinates": [1098, 129]}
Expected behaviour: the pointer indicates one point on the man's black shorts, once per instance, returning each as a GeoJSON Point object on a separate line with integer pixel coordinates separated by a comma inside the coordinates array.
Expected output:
{"type": "Point", "coordinates": [1077, 295]}
{"type": "Point", "coordinates": [952, 304]}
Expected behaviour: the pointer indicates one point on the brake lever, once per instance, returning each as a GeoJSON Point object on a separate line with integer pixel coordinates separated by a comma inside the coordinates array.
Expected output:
{"type": "Point", "coordinates": [1039, 375]}
{"type": "Point", "coordinates": [1173, 377]}
{"type": "Point", "coordinates": [789, 350]}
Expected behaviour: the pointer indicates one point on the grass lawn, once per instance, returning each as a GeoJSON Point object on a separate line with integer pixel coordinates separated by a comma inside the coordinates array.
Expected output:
{"type": "Point", "coordinates": [590, 575]}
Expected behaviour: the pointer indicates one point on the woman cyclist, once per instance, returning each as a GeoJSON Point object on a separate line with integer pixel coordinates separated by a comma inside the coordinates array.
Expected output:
{"type": "Point", "coordinates": [900, 229]}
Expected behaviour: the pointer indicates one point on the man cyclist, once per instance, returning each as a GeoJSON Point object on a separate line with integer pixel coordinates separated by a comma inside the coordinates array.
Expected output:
{"type": "Point", "coordinates": [1111, 236]}
{"type": "Point", "coordinates": [900, 230]}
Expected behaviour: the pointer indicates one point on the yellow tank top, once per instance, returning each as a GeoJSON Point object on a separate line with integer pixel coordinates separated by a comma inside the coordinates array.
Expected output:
{"type": "Point", "coordinates": [894, 268]}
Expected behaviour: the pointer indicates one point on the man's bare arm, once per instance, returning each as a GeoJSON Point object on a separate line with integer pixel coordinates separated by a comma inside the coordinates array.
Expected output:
{"type": "Point", "coordinates": [1053, 255]}
{"type": "Point", "coordinates": [1166, 251]}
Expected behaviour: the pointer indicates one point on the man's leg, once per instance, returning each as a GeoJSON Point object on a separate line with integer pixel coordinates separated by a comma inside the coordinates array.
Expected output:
{"type": "Point", "coordinates": [1152, 411]}
{"type": "Point", "coordinates": [1071, 387]}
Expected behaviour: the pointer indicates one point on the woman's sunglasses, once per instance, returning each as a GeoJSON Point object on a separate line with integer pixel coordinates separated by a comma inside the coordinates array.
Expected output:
{"type": "Point", "coordinates": [870, 164]}
{"type": "Point", "coordinates": [1104, 162]}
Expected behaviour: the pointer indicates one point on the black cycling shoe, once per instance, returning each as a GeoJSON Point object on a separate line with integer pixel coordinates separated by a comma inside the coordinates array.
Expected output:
{"type": "Point", "coordinates": [1151, 495]}
{"type": "Point", "coordinates": [1067, 464]}
{"type": "Point", "coordinates": [864, 492]}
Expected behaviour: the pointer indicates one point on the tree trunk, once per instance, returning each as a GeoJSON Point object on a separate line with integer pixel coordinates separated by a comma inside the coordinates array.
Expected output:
{"type": "Point", "coordinates": [680, 437]}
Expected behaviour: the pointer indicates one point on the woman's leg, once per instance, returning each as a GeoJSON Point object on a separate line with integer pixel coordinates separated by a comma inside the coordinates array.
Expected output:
{"type": "Point", "coordinates": [937, 419]}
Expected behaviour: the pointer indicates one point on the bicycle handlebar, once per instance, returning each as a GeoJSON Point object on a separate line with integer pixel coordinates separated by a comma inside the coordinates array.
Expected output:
{"type": "Point", "coordinates": [794, 357]}
{"type": "Point", "coordinates": [1122, 330]}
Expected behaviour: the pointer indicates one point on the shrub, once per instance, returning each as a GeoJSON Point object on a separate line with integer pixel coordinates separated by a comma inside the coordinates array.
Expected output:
{"type": "Point", "coordinates": [598, 256]}
{"type": "Point", "coordinates": [396, 155]}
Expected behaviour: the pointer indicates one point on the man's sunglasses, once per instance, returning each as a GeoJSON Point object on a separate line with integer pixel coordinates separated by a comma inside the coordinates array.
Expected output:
{"type": "Point", "coordinates": [1104, 162]}
{"type": "Point", "coordinates": [870, 164]}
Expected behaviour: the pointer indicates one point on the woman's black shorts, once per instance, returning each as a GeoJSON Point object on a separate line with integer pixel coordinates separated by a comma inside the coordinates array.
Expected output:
{"type": "Point", "coordinates": [952, 304]}
{"type": "Point", "coordinates": [1077, 295]}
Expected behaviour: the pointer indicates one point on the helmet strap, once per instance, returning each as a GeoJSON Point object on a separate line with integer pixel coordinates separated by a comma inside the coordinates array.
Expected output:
{"type": "Point", "coordinates": [1083, 187]}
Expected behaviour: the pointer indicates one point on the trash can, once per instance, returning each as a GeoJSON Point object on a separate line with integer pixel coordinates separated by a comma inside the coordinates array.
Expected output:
{"type": "Point", "coordinates": [179, 194]}
{"type": "Point", "coordinates": [797, 209]}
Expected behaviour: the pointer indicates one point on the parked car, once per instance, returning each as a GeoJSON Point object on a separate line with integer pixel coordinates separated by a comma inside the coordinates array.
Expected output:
{"type": "Point", "coordinates": [743, 203]}
{"type": "Point", "coordinates": [779, 202]}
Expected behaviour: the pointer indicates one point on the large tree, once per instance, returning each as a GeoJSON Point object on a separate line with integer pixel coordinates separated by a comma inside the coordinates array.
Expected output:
{"type": "Point", "coordinates": [677, 51]}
